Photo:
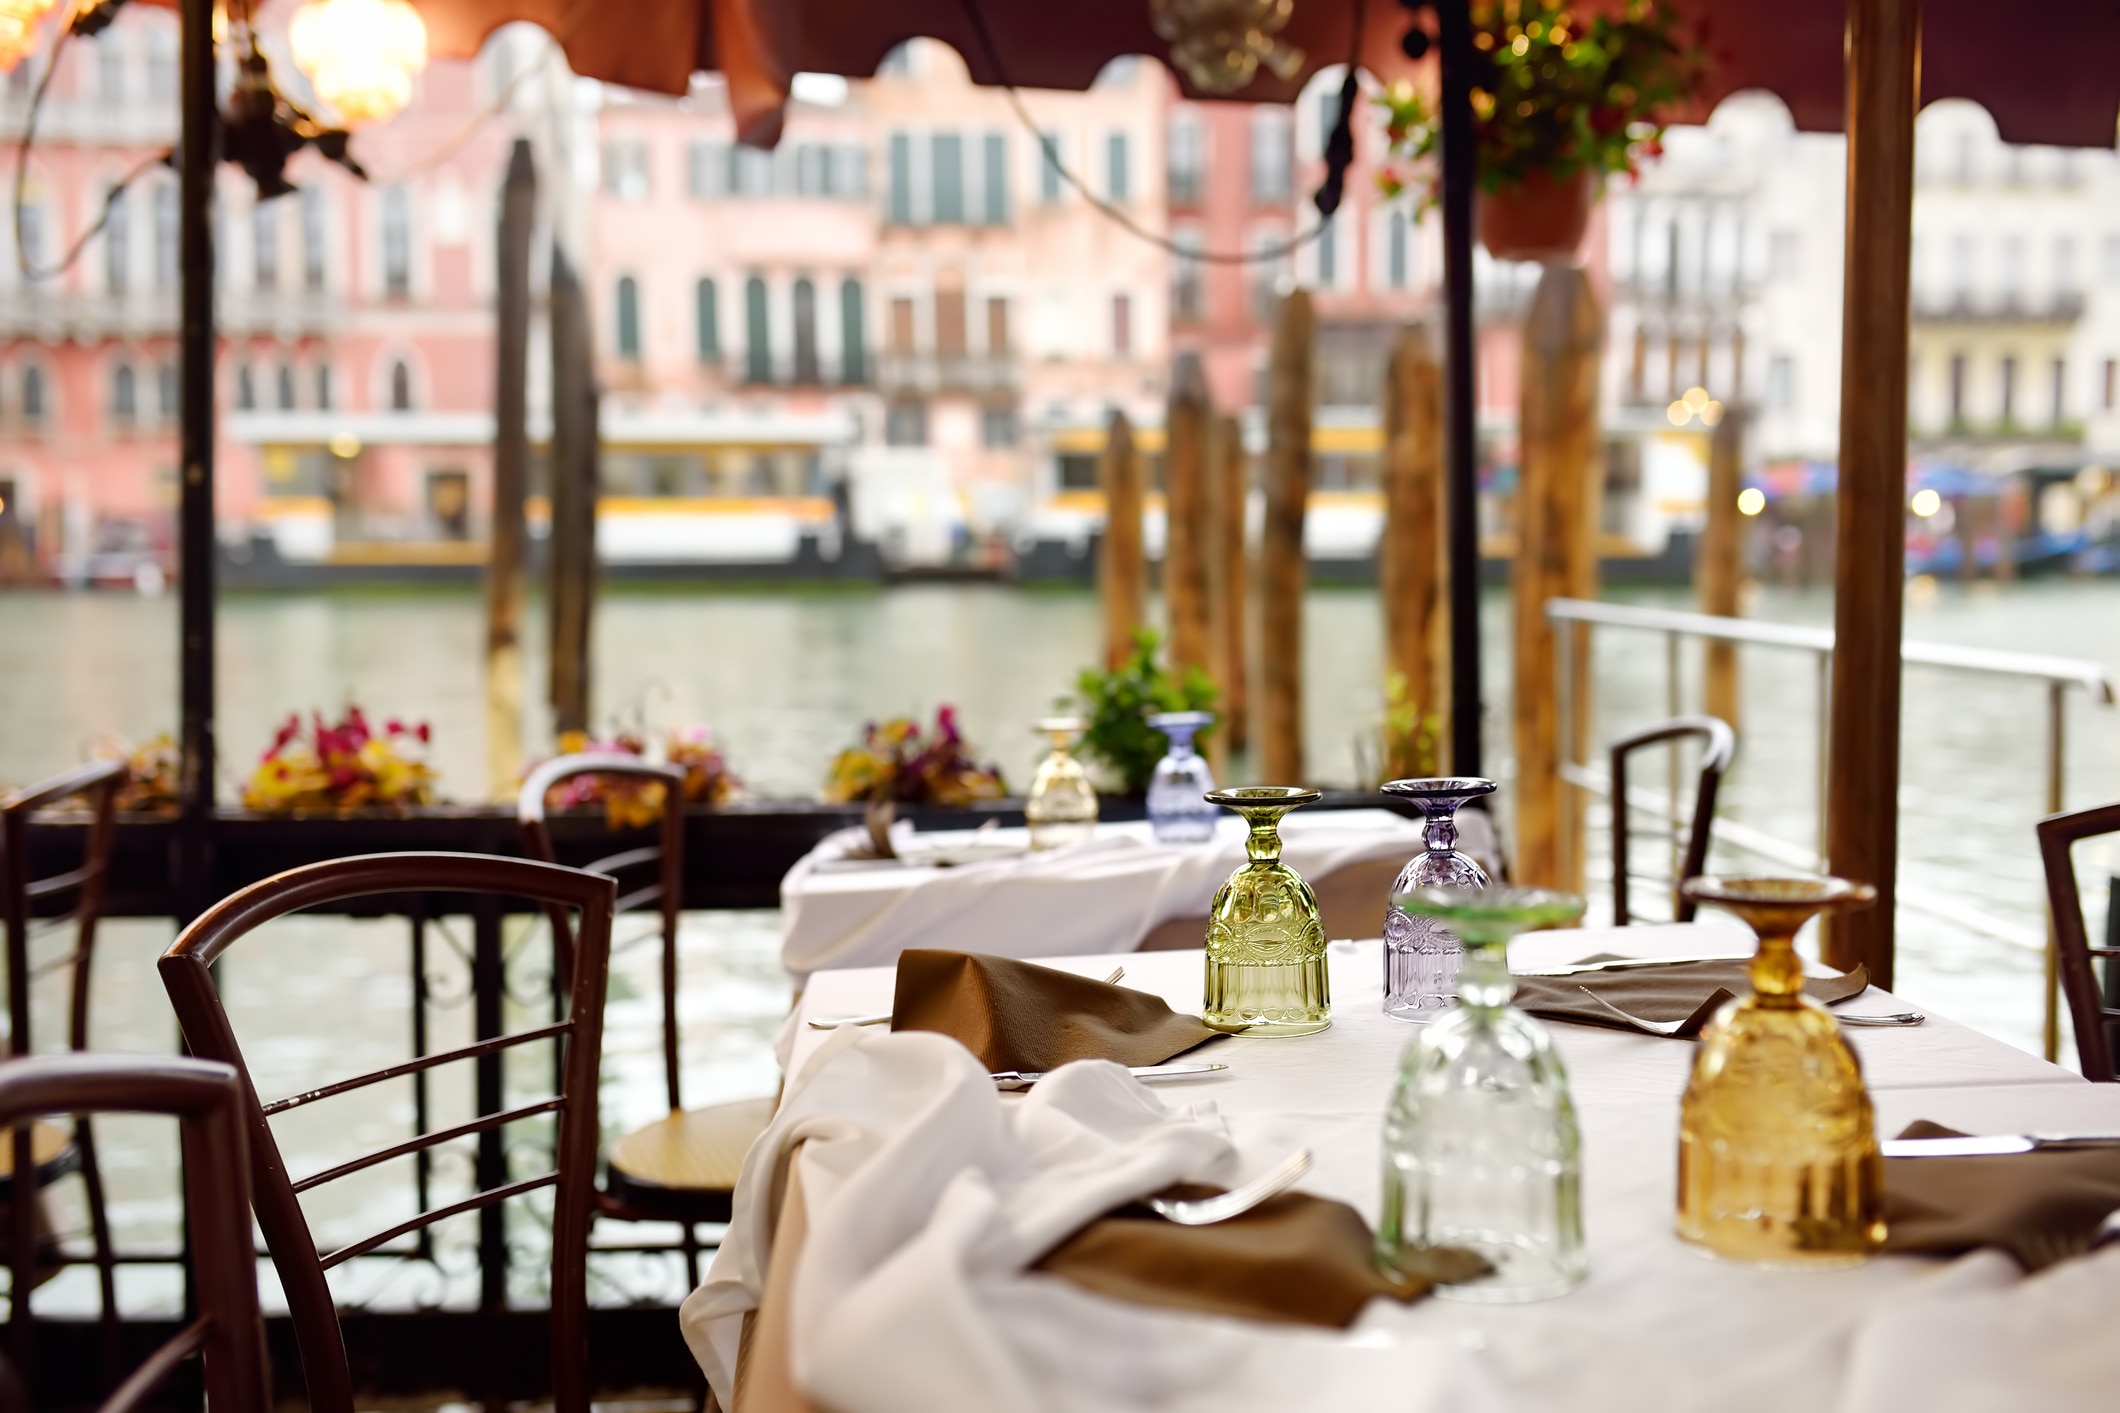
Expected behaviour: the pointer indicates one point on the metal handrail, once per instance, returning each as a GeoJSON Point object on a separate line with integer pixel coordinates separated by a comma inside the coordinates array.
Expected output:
{"type": "Point", "coordinates": [2057, 673]}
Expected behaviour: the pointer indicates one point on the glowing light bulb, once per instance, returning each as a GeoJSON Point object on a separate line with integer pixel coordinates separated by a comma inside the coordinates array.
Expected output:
{"type": "Point", "coordinates": [1711, 412]}
{"type": "Point", "coordinates": [1679, 413]}
{"type": "Point", "coordinates": [1927, 503]}
{"type": "Point", "coordinates": [359, 55]}
{"type": "Point", "coordinates": [18, 29]}
{"type": "Point", "coordinates": [1751, 500]}
{"type": "Point", "coordinates": [1696, 398]}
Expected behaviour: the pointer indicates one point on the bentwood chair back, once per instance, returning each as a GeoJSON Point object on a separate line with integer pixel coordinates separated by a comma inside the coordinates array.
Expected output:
{"type": "Point", "coordinates": [49, 1150]}
{"type": "Point", "coordinates": [1718, 746]}
{"type": "Point", "coordinates": [683, 1167]}
{"type": "Point", "coordinates": [187, 975]}
{"type": "Point", "coordinates": [207, 1100]}
{"type": "Point", "coordinates": [2095, 1021]}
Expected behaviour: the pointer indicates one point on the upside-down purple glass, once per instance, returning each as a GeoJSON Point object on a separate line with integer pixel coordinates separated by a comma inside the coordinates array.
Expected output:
{"type": "Point", "coordinates": [1421, 957]}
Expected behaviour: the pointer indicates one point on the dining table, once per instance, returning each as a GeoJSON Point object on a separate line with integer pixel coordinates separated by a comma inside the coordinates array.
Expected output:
{"type": "Point", "coordinates": [1119, 890]}
{"type": "Point", "coordinates": [1656, 1324]}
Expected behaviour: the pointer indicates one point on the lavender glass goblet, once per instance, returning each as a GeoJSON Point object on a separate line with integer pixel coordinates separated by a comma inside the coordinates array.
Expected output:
{"type": "Point", "coordinates": [1421, 957]}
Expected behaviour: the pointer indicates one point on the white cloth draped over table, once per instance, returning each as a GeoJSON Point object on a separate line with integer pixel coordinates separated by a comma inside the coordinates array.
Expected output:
{"type": "Point", "coordinates": [1657, 1328]}
{"type": "Point", "coordinates": [929, 1194]}
{"type": "Point", "coordinates": [1103, 895]}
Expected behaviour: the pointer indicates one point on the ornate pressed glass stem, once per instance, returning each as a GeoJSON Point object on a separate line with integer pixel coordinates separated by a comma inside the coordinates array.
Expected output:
{"type": "Point", "coordinates": [1265, 955]}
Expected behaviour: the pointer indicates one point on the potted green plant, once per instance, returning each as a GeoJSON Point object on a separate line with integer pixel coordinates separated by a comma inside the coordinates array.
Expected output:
{"type": "Point", "coordinates": [1118, 703]}
{"type": "Point", "coordinates": [1566, 99]}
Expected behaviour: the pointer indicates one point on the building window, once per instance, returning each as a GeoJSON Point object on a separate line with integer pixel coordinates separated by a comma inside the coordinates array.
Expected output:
{"type": "Point", "coordinates": [2112, 260]}
{"type": "Point", "coordinates": [166, 390]}
{"type": "Point", "coordinates": [1266, 274]}
{"type": "Point", "coordinates": [2013, 270]}
{"type": "Point", "coordinates": [898, 63]}
{"type": "Point", "coordinates": [161, 64]}
{"type": "Point", "coordinates": [905, 423]}
{"type": "Point", "coordinates": [33, 394]}
{"type": "Point", "coordinates": [626, 169]}
{"type": "Point", "coordinates": [849, 174]}
{"type": "Point", "coordinates": [628, 318]}
{"type": "Point", "coordinates": [265, 245]}
{"type": "Point", "coordinates": [706, 168]}
{"type": "Point", "coordinates": [165, 235]}
{"type": "Point", "coordinates": [124, 400]}
{"type": "Point", "coordinates": [1957, 390]}
{"type": "Point", "coordinates": [2060, 388]}
{"type": "Point", "coordinates": [1781, 255]}
{"type": "Point", "coordinates": [900, 211]}
{"type": "Point", "coordinates": [110, 68]}
{"type": "Point", "coordinates": [707, 317]}
{"type": "Point", "coordinates": [1122, 326]}
{"type": "Point", "coordinates": [284, 386]}
{"type": "Point", "coordinates": [2112, 382]}
{"type": "Point", "coordinates": [901, 332]}
{"type": "Point", "coordinates": [853, 335]}
{"type": "Point", "coordinates": [809, 169]}
{"type": "Point", "coordinates": [400, 387]}
{"type": "Point", "coordinates": [750, 172]}
{"type": "Point", "coordinates": [1271, 157]}
{"type": "Point", "coordinates": [117, 245]}
{"type": "Point", "coordinates": [997, 426]}
{"type": "Point", "coordinates": [2009, 391]}
{"type": "Point", "coordinates": [2064, 268]}
{"type": "Point", "coordinates": [1116, 183]}
{"type": "Point", "coordinates": [949, 323]}
{"type": "Point", "coordinates": [1187, 295]}
{"type": "Point", "coordinates": [1961, 269]}
{"type": "Point", "coordinates": [323, 387]}
{"type": "Point", "coordinates": [995, 174]}
{"type": "Point", "coordinates": [1397, 262]}
{"type": "Point", "coordinates": [946, 153]}
{"type": "Point", "coordinates": [997, 327]}
{"type": "Point", "coordinates": [758, 352]}
{"type": "Point", "coordinates": [1328, 247]}
{"type": "Point", "coordinates": [1186, 158]}
{"type": "Point", "coordinates": [312, 238]}
{"type": "Point", "coordinates": [397, 243]}
{"type": "Point", "coordinates": [1781, 382]}
{"type": "Point", "coordinates": [1049, 170]}
{"type": "Point", "coordinates": [246, 389]}
{"type": "Point", "coordinates": [806, 365]}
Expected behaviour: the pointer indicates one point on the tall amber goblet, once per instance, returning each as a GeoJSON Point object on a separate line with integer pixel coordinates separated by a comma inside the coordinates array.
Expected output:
{"type": "Point", "coordinates": [1777, 1143]}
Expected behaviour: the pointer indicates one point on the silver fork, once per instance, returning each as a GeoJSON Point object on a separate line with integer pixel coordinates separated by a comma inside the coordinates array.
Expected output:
{"type": "Point", "coordinates": [884, 1017]}
{"type": "Point", "coordinates": [1206, 1211]}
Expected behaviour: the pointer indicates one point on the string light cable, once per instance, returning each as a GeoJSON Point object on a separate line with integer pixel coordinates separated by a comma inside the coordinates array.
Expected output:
{"type": "Point", "coordinates": [1339, 151]}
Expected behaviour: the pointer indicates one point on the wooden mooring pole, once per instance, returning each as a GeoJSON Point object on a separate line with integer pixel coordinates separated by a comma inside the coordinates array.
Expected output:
{"type": "Point", "coordinates": [1558, 491]}
{"type": "Point", "coordinates": [573, 465]}
{"type": "Point", "coordinates": [1718, 569]}
{"type": "Point", "coordinates": [1122, 564]}
{"type": "Point", "coordinates": [1862, 795]}
{"type": "Point", "coordinates": [1283, 572]}
{"type": "Point", "coordinates": [1412, 564]}
{"type": "Point", "coordinates": [1228, 590]}
{"type": "Point", "coordinates": [511, 458]}
{"type": "Point", "coordinates": [1187, 428]}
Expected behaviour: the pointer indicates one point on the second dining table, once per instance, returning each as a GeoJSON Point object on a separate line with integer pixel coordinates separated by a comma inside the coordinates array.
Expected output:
{"type": "Point", "coordinates": [1656, 1325]}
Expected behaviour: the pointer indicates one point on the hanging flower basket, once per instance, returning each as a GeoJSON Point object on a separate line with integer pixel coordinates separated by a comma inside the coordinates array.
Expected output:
{"type": "Point", "coordinates": [1539, 218]}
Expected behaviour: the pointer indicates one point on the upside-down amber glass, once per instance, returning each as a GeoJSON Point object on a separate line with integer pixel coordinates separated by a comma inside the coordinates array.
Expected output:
{"type": "Point", "coordinates": [1062, 805]}
{"type": "Point", "coordinates": [1265, 945]}
{"type": "Point", "coordinates": [1777, 1144]}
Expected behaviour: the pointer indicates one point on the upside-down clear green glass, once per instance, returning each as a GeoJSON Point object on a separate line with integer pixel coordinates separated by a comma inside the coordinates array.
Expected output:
{"type": "Point", "coordinates": [1481, 1147]}
{"type": "Point", "coordinates": [1265, 945]}
{"type": "Point", "coordinates": [1062, 805]}
{"type": "Point", "coordinates": [1777, 1142]}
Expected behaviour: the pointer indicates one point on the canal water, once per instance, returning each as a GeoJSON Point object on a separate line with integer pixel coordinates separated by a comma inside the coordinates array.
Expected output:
{"type": "Point", "coordinates": [788, 677]}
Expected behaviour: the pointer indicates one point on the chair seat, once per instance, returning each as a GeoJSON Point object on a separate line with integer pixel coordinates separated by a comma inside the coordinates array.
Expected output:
{"type": "Point", "coordinates": [684, 1167]}
{"type": "Point", "coordinates": [51, 1148]}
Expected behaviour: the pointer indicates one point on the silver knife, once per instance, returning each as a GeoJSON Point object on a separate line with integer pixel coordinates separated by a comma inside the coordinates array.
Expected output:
{"type": "Point", "coordinates": [1024, 1079]}
{"type": "Point", "coordinates": [1993, 1144]}
{"type": "Point", "coordinates": [1624, 963]}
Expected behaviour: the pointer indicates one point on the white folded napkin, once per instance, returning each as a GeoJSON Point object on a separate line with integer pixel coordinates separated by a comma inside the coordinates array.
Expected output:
{"type": "Point", "coordinates": [1981, 1336]}
{"type": "Point", "coordinates": [929, 1195]}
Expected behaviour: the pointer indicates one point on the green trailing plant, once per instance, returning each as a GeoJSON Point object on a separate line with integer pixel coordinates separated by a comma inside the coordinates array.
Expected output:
{"type": "Point", "coordinates": [1560, 92]}
{"type": "Point", "coordinates": [1118, 703]}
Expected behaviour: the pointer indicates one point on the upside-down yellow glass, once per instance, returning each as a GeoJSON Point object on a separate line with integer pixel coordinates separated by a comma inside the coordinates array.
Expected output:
{"type": "Point", "coordinates": [1777, 1143]}
{"type": "Point", "coordinates": [1062, 807]}
{"type": "Point", "coordinates": [1265, 945]}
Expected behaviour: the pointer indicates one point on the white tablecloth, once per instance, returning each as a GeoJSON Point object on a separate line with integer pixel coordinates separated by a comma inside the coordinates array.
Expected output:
{"type": "Point", "coordinates": [1103, 895]}
{"type": "Point", "coordinates": [1657, 1326]}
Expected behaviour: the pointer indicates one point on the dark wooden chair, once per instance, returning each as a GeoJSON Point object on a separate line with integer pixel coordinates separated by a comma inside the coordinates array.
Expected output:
{"type": "Point", "coordinates": [683, 1167]}
{"type": "Point", "coordinates": [188, 977]}
{"type": "Point", "coordinates": [52, 1150]}
{"type": "Point", "coordinates": [207, 1099]}
{"type": "Point", "coordinates": [2094, 1019]}
{"type": "Point", "coordinates": [1718, 745]}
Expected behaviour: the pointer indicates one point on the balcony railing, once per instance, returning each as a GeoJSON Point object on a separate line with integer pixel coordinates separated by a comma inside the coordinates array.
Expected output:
{"type": "Point", "coordinates": [946, 372]}
{"type": "Point", "coordinates": [2064, 307]}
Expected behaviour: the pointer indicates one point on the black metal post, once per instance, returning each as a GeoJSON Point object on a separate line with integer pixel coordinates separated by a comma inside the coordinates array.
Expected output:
{"type": "Point", "coordinates": [1460, 415]}
{"type": "Point", "coordinates": [487, 983]}
{"type": "Point", "coordinates": [197, 148]}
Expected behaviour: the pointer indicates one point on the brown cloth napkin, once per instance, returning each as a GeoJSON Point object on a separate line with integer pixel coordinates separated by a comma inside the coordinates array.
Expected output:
{"type": "Point", "coordinates": [1017, 1016]}
{"type": "Point", "coordinates": [2039, 1207]}
{"type": "Point", "coordinates": [1682, 991]}
{"type": "Point", "coordinates": [1294, 1258]}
